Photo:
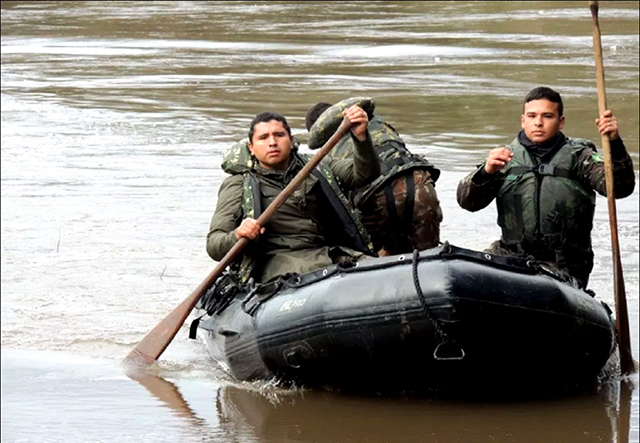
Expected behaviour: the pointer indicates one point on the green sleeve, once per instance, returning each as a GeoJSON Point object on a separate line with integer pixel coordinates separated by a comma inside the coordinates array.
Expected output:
{"type": "Point", "coordinates": [478, 189]}
{"type": "Point", "coordinates": [360, 170]}
{"type": "Point", "coordinates": [591, 170]}
{"type": "Point", "coordinates": [226, 218]}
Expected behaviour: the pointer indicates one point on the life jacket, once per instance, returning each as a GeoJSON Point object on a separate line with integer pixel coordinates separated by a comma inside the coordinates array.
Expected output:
{"type": "Point", "coordinates": [543, 209]}
{"type": "Point", "coordinates": [238, 160]}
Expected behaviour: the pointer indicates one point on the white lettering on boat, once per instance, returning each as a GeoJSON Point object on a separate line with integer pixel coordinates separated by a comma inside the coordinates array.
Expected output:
{"type": "Point", "coordinates": [292, 304]}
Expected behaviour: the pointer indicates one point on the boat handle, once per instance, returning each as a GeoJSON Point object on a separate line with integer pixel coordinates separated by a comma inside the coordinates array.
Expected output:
{"type": "Point", "coordinates": [437, 357]}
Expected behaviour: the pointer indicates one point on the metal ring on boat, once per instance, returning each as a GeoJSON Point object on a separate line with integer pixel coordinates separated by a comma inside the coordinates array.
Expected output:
{"type": "Point", "coordinates": [487, 256]}
{"type": "Point", "coordinates": [297, 354]}
{"type": "Point", "coordinates": [291, 357]}
{"type": "Point", "coordinates": [401, 258]}
{"type": "Point", "coordinates": [324, 273]}
{"type": "Point", "coordinates": [298, 280]}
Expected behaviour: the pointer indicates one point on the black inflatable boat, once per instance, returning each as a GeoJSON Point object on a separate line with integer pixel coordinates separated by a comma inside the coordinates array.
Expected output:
{"type": "Point", "coordinates": [445, 319]}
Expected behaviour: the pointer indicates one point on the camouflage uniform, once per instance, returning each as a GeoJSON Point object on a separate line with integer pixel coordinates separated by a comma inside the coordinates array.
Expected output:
{"type": "Point", "coordinates": [546, 210]}
{"type": "Point", "coordinates": [396, 228]}
{"type": "Point", "coordinates": [327, 124]}
{"type": "Point", "coordinates": [314, 228]}
{"type": "Point", "coordinates": [400, 209]}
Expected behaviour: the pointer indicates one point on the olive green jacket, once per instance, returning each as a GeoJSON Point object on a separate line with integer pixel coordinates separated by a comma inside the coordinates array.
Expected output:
{"type": "Point", "coordinates": [306, 233]}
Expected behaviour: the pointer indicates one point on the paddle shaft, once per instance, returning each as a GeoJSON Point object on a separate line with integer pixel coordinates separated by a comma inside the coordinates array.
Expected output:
{"type": "Point", "coordinates": [156, 341]}
{"type": "Point", "coordinates": [627, 364]}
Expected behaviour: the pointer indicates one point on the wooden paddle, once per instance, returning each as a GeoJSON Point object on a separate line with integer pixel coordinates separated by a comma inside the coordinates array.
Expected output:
{"type": "Point", "coordinates": [627, 365]}
{"type": "Point", "coordinates": [157, 340]}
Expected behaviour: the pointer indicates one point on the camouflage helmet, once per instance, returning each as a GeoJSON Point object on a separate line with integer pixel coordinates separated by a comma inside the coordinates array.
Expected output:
{"type": "Point", "coordinates": [328, 123]}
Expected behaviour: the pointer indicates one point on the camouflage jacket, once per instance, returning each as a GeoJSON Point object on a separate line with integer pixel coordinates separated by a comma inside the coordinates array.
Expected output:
{"type": "Point", "coordinates": [313, 225]}
{"type": "Point", "coordinates": [394, 156]}
{"type": "Point", "coordinates": [546, 210]}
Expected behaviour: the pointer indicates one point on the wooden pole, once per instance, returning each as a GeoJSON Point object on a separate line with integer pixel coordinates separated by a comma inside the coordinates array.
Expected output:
{"type": "Point", "coordinates": [627, 365]}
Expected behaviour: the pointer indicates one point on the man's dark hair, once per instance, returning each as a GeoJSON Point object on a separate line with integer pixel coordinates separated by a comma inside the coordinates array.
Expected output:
{"type": "Point", "coordinates": [544, 93]}
{"type": "Point", "coordinates": [314, 112]}
{"type": "Point", "coordinates": [265, 117]}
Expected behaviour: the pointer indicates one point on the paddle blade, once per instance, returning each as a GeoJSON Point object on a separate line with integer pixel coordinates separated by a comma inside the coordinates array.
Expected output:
{"type": "Point", "coordinates": [157, 340]}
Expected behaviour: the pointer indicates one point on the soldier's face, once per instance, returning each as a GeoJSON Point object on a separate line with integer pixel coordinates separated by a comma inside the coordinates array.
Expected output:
{"type": "Point", "coordinates": [541, 120]}
{"type": "Point", "coordinates": [271, 144]}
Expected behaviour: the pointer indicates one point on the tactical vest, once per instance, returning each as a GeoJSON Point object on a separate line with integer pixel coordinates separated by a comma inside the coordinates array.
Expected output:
{"type": "Point", "coordinates": [394, 157]}
{"type": "Point", "coordinates": [544, 208]}
{"type": "Point", "coordinates": [238, 160]}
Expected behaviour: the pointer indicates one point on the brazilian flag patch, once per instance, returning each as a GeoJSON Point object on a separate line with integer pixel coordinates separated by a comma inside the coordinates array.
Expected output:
{"type": "Point", "coordinates": [597, 157]}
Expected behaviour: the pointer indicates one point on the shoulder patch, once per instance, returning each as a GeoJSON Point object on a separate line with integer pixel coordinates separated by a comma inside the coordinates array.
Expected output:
{"type": "Point", "coordinates": [597, 157]}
